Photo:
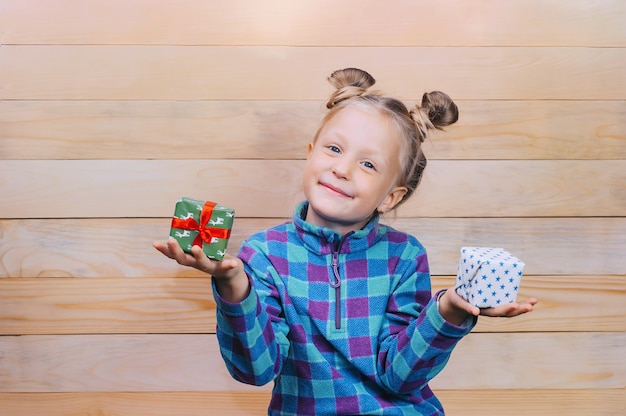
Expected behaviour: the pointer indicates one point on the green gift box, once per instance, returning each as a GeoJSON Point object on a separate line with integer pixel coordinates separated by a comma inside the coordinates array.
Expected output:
{"type": "Point", "coordinates": [202, 223]}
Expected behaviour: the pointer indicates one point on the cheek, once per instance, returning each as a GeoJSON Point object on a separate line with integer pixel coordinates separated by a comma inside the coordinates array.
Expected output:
{"type": "Point", "coordinates": [313, 164]}
{"type": "Point", "coordinates": [308, 174]}
{"type": "Point", "coordinates": [308, 165]}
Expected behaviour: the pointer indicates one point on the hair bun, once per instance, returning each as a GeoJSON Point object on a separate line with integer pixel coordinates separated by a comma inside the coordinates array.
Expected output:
{"type": "Point", "coordinates": [349, 82]}
{"type": "Point", "coordinates": [439, 108]}
{"type": "Point", "coordinates": [351, 76]}
{"type": "Point", "coordinates": [436, 112]}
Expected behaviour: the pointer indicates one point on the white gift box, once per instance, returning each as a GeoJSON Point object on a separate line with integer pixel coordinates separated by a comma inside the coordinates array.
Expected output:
{"type": "Point", "coordinates": [488, 276]}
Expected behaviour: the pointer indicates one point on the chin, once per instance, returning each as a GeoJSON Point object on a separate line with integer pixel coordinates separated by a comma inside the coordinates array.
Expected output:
{"type": "Point", "coordinates": [335, 219]}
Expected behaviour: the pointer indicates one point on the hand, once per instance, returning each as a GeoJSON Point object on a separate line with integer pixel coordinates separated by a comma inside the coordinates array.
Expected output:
{"type": "Point", "coordinates": [511, 309]}
{"type": "Point", "coordinates": [225, 268]}
{"type": "Point", "coordinates": [455, 309]}
{"type": "Point", "coordinates": [230, 277]}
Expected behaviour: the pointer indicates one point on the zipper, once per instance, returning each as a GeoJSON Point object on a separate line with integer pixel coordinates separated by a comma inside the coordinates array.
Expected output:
{"type": "Point", "coordinates": [336, 283]}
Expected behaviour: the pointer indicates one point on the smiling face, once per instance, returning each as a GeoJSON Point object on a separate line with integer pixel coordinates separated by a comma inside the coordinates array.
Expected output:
{"type": "Point", "coordinates": [352, 169]}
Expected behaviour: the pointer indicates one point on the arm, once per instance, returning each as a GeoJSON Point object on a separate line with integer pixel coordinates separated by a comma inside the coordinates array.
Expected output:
{"type": "Point", "coordinates": [253, 333]}
{"type": "Point", "coordinates": [241, 320]}
{"type": "Point", "coordinates": [424, 331]}
{"type": "Point", "coordinates": [416, 341]}
{"type": "Point", "coordinates": [252, 338]}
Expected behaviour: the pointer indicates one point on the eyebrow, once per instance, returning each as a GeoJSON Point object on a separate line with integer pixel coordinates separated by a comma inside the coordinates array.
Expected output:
{"type": "Point", "coordinates": [334, 136]}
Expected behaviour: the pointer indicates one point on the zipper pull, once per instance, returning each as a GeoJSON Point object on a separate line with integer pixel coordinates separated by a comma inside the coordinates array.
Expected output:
{"type": "Point", "coordinates": [335, 263]}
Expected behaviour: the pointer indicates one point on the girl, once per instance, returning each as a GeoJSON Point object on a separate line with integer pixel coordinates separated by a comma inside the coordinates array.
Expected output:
{"type": "Point", "coordinates": [333, 306]}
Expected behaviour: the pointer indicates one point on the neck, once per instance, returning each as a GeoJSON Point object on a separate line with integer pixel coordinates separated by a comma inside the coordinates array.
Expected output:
{"type": "Point", "coordinates": [342, 228]}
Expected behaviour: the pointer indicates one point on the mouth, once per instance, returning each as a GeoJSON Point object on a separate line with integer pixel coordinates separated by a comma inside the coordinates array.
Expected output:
{"type": "Point", "coordinates": [335, 190]}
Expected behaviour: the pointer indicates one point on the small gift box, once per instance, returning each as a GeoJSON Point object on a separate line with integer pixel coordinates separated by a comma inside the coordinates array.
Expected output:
{"type": "Point", "coordinates": [488, 276]}
{"type": "Point", "coordinates": [205, 224]}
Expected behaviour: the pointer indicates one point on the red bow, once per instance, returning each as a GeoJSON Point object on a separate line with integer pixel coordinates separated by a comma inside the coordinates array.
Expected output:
{"type": "Point", "coordinates": [205, 234]}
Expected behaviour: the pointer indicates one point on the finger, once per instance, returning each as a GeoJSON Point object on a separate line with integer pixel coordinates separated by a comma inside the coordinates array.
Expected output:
{"type": "Point", "coordinates": [229, 262]}
{"type": "Point", "coordinates": [167, 249]}
{"type": "Point", "coordinates": [162, 247]}
{"type": "Point", "coordinates": [510, 310]}
{"type": "Point", "coordinates": [527, 306]}
{"type": "Point", "coordinates": [531, 301]}
{"type": "Point", "coordinates": [202, 261]}
{"type": "Point", "coordinates": [468, 307]}
{"type": "Point", "coordinates": [211, 266]}
{"type": "Point", "coordinates": [502, 311]}
{"type": "Point", "coordinates": [523, 307]}
{"type": "Point", "coordinates": [461, 303]}
{"type": "Point", "coordinates": [179, 255]}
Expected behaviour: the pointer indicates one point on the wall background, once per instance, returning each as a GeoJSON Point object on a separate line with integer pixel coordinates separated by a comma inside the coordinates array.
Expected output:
{"type": "Point", "coordinates": [111, 111]}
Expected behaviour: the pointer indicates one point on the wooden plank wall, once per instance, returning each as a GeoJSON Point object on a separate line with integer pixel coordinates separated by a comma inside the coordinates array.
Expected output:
{"type": "Point", "coordinates": [112, 110]}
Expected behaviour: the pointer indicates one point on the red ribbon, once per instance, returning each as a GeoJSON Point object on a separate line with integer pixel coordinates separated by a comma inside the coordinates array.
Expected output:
{"type": "Point", "coordinates": [205, 234]}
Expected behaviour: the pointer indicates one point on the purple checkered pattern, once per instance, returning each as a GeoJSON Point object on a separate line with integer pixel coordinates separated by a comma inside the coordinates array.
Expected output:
{"type": "Point", "coordinates": [368, 345]}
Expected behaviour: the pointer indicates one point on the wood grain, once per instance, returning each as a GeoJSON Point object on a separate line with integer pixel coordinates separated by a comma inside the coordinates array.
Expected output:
{"type": "Point", "coordinates": [110, 111]}
{"type": "Point", "coordinates": [107, 306]}
{"type": "Point", "coordinates": [107, 72]}
{"type": "Point", "coordinates": [123, 247]}
{"type": "Point", "coordinates": [228, 403]}
{"type": "Point", "coordinates": [149, 188]}
{"type": "Point", "coordinates": [399, 23]}
{"type": "Point", "coordinates": [512, 130]}
{"type": "Point", "coordinates": [531, 402]}
{"type": "Point", "coordinates": [134, 363]}
{"type": "Point", "coordinates": [547, 402]}
{"type": "Point", "coordinates": [185, 305]}
{"type": "Point", "coordinates": [536, 360]}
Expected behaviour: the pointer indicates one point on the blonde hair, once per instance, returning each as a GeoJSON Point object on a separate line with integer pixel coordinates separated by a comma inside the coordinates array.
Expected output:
{"type": "Point", "coordinates": [437, 110]}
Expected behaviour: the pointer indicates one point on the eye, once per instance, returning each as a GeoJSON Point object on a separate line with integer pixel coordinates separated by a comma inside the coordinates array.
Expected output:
{"type": "Point", "coordinates": [333, 148]}
{"type": "Point", "coordinates": [369, 165]}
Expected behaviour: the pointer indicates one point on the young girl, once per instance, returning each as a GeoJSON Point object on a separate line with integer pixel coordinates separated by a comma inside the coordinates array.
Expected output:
{"type": "Point", "coordinates": [333, 306]}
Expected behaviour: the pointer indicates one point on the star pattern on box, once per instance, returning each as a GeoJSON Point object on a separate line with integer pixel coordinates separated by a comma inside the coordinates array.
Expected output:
{"type": "Point", "coordinates": [488, 276]}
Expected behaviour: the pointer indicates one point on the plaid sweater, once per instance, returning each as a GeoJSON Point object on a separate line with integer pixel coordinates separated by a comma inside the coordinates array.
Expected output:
{"type": "Point", "coordinates": [343, 326]}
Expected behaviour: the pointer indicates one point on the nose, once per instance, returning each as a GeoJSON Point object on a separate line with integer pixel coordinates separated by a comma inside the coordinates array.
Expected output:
{"type": "Point", "coordinates": [342, 168]}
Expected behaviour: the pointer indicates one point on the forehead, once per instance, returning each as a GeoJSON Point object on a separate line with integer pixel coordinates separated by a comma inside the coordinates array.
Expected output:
{"type": "Point", "coordinates": [362, 124]}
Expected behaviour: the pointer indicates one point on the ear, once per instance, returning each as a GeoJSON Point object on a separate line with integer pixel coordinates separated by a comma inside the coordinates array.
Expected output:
{"type": "Point", "coordinates": [309, 150]}
{"type": "Point", "coordinates": [393, 199]}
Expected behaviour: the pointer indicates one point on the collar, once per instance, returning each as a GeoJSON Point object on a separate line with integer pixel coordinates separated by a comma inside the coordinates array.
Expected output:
{"type": "Point", "coordinates": [323, 240]}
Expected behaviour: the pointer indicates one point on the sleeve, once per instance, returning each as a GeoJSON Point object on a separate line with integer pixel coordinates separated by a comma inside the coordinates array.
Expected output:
{"type": "Point", "coordinates": [252, 334]}
{"type": "Point", "coordinates": [416, 341]}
